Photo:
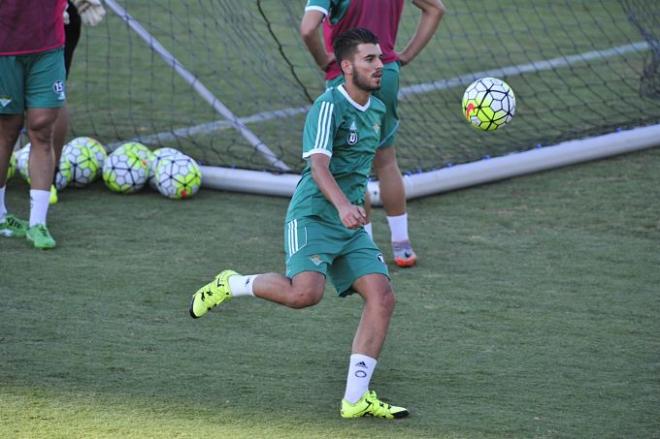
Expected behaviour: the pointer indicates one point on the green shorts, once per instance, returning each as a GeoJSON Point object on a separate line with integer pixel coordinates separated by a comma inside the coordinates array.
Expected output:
{"type": "Point", "coordinates": [32, 81]}
{"type": "Point", "coordinates": [342, 254]}
{"type": "Point", "coordinates": [388, 93]}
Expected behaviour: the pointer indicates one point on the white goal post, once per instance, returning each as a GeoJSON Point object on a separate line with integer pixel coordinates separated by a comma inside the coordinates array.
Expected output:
{"type": "Point", "coordinates": [459, 176]}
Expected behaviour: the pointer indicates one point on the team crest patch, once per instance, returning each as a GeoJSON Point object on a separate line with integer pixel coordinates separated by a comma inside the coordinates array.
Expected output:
{"type": "Point", "coordinates": [4, 101]}
{"type": "Point", "coordinates": [376, 128]}
{"type": "Point", "coordinates": [316, 259]}
{"type": "Point", "coordinates": [352, 134]}
{"type": "Point", "coordinates": [58, 89]}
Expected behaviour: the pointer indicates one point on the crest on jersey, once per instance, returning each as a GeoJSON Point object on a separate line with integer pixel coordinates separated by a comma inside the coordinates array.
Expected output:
{"type": "Point", "coordinates": [352, 134]}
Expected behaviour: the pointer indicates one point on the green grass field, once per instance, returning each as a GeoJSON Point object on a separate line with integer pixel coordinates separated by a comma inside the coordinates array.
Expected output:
{"type": "Point", "coordinates": [533, 313]}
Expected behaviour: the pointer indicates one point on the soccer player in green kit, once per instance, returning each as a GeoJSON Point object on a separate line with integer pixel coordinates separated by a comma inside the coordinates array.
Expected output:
{"type": "Point", "coordinates": [382, 17]}
{"type": "Point", "coordinates": [323, 233]}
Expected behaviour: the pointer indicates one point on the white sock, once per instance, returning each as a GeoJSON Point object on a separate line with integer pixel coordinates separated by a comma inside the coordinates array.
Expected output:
{"type": "Point", "coordinates": [398, 227]}
{"type": "Point", "coordinates": [38, 206]}
{"type": "Point", "coordinates": [3, 208]}
{"type": "Point", "coordinates": [369, 229]}
{"type": "Point", "coordinates": [242, 285]}
{"type": "Point", "coordinates": [360, 370]}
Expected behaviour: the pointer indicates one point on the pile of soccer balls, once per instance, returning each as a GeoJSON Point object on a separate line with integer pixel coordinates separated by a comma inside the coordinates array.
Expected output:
{"type": "Point", "coordinates": [167, 170]}
{"type": "Point", "coordinates": [126, 170]}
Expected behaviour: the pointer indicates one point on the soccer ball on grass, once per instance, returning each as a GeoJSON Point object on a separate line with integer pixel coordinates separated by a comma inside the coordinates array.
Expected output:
{"type": "Point", "coordinates": [124, 172]}
{"type": "Point", "coordinates": [178, 176]}
{"type": "Point", "coordinates": [84, 165]}
{"type": "Point", "coordinates": [97, 149]}
{"type": "Point", "coordinates": [62, 176]}
{"type": "Point", "coordinates": [159, 155]}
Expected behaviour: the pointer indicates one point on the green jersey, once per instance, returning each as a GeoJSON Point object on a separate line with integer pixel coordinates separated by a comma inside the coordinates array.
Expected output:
{"type": "Point", "coordinates": [348, 133]}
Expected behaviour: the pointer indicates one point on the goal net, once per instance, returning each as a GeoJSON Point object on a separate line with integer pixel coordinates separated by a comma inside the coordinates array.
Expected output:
{"type": "Point", "coordinates": [229, 81]}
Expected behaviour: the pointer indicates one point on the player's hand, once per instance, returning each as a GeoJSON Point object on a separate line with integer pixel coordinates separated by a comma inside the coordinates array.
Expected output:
{"type": "Point", "coordinates": [91, 11]}
{"type": "Point", "coordinates": [402, 59]}
{"type": "Point", "coordinates": [353, 216]}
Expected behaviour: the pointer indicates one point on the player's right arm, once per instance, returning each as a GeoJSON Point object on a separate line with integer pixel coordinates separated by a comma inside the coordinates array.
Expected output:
{"type": "Point", "coordinates": [318, 141]}
{"type": "Point", "coordinates": [315, 12]}
{"type": "Point", "coordinates": [351, 216]}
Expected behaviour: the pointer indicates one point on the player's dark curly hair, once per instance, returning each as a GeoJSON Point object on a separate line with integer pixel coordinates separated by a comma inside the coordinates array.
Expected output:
{"type": "Point", "coordinates": [345, 45]}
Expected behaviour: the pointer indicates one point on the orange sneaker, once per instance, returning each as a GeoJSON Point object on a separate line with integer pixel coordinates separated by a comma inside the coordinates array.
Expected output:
{"type": "Point", "coordinates": [404, 255]}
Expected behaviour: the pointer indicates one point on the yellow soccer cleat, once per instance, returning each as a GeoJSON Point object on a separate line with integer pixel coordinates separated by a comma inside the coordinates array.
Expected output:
{"type": "Point", "coordinates": [370, 405]}
{"type": "Point", "coordinates": [211, 294]}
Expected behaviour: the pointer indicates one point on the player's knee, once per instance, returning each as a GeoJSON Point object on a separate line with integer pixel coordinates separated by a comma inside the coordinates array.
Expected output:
{"type": "Point", "coordinates": [41, 134]}
{"type": "Point", "coordinates": [10, 128]}
{"type": "Point", "coordinates": [387, 300]}
{"type": "Point", "coordinates": [385, 161]}
{"type": "Point", "coordinates": [41, 126]}
{"type": "Point", "coordinates": [305, 297]}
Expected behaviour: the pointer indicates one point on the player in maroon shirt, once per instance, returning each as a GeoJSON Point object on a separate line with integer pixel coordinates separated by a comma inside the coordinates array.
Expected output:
{"type": "Point", "coordinates": [31, 87]}
{"type": "Point", "coordinates": [382, 17]}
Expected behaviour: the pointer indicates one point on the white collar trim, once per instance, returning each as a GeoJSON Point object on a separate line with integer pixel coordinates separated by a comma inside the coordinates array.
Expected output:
{"type": "Point", "coordinates": [343, 91]}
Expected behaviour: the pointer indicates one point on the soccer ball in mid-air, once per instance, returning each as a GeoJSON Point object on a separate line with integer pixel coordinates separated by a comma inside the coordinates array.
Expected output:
{"type": "Point", "coordinates": [178, 177]}
{"type": "Point", "coordinates": [84, 165]}
{"type": "Point", "coordinates": [97, 149]}
{"type": "Point", "coordinates": [489, 103]}
{"type": "Point", "coordinates": [124, 172]}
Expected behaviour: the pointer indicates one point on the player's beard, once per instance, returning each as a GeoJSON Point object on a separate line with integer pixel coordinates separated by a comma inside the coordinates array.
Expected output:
{"type": "Point", "coordinates": [362, 82]}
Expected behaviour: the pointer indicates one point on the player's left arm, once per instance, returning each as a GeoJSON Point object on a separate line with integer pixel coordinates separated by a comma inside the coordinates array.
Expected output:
{"type": "Point", "coordinates": [432, 13]}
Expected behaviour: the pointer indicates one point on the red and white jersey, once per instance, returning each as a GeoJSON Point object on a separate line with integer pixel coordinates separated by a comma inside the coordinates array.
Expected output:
{"type": "Point", "coordinates": [381, 17]}
{"type": "Point", "coordinates": [31, 26]}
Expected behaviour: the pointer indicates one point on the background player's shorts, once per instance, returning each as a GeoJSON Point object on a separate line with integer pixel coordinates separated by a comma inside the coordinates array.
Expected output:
{"type": "Point", "coordinates": [32, 81]}
{"type": "Point", "coordinates": [342, 254]}
{"type": "Point", "coordinates": [72, 35]}
{"type": "Point", "coordinates": [388, 93]}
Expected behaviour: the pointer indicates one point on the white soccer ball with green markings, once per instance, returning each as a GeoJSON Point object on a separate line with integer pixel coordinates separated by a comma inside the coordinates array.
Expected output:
{"type": "Point", "coordinates": [22, 160]}
{"type": "Point", "coordinates": [139, 150]}
{"type": "Point", "coordinates": [489, 103]}
{"type": "Point", "coordinates": [159, 155]}
{"type": "Point", "coordinates": [84, 165]}
{"type": "Point", "coordinates": [178, 177]}
{"type": "Point", "coordinates": [97, 149]}
{"type": "Point", "coordinates": [124, 172]}
{"type": "Point", "coordinates": [62, 176]}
